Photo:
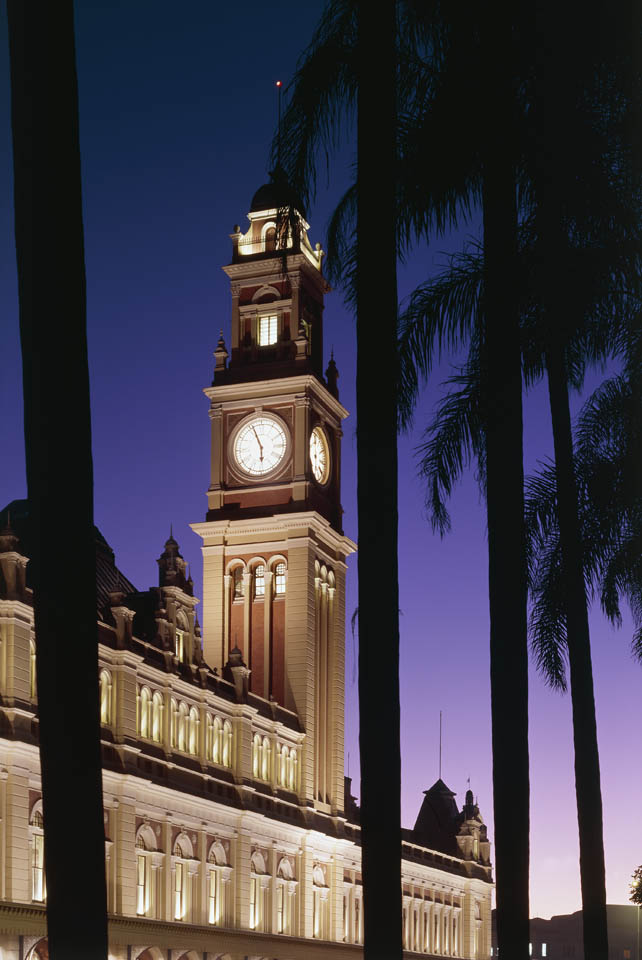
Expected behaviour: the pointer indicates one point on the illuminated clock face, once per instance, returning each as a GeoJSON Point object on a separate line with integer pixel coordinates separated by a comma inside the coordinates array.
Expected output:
{"type": "Point", "coordinates": [260, 446]}
{"type": "Point", "coordinates": [319, 455]}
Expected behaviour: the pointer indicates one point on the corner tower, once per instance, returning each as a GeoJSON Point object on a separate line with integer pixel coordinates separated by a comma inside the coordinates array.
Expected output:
{"type": "Point", "coordinates": [274, 552]}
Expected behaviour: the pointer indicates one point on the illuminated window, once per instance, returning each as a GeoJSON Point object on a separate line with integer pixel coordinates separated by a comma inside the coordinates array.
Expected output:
{"type": "Point", "coordinates": [256, 756]}
{"type": "Point", "coordinates": [38, 885]}
{"type": "Point", "coordinates": [543, 949]}
{"type": "Point", "coordinates": [270, 238]}
{"type": "Point", "coordinates": [105, 697]}
{"type": "Point", "coordinates": [144, 706]}
{"type": "Point", "coordinates": [141, 883]}
{"type": "Point", "coordinates": [292, 769]}
{"type": "Point", "coordinates": [259, 580]}
{"type": "Point", "coordinates": [32, 670]}
{"type": "Point", "coordinates": [212, 914]}
{"type": "Point", "coordinates": [282, 768]}
{"type": "Point", "coordinates": [182, 727]}
{"type": "Point", "coordinates": [192, 743]}
{"type": "Point", "coordinates": [173, 723]}
{"type": "Point", "coordinates": [180, 647]}
{"type": "Point", "coordinates": [279, 908]}
{"type": "Point", "coordinates": [157, 717]}
{"type": "Point", "coordinates": [254, 898]}
{"type": "Point", "coordinates": [267, 331]}
{"type": "Point", "coordinates": [179, 891]}
{"type": "Point", "coordinates": [279, 579]}
{"type": "Point", "coordinates": [226, 754]}
{"type": "Point", "coordinates": [265, 760]}
{"type": "Point", "coordinates": [237, 581]}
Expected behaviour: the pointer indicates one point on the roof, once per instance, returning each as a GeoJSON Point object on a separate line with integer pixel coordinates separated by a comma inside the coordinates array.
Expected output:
{"type": "Point", "coordinates": [109, 578]}
{"type": "Point", "coordinates": [276, 194]}
{"type": "Point", "coordinates": [437, 822]}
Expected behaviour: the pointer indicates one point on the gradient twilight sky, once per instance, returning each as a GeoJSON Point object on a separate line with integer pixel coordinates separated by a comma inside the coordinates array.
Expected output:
{"type": "Point", "coordinates": [177, 111]}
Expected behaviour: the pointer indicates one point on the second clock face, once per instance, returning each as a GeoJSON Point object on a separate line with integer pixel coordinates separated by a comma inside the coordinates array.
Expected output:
{"type": "Point", "coordinates": [319, 455]}
{"type": "Point", "coordinates": [260, 445]}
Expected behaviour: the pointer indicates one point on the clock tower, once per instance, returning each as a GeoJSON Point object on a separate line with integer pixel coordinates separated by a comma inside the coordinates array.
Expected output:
{"type": "Point", "coordinates": [274, 552]}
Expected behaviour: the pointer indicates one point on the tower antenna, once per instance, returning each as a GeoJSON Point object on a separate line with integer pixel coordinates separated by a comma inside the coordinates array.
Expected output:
{"type": "Point", "coordinates": [278, 158]}
{"type": "Point", "coordinates": [440, 744]}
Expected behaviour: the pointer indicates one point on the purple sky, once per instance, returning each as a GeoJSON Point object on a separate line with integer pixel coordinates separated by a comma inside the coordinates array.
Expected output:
{"type": "Point", "coordinates": [176, 116]}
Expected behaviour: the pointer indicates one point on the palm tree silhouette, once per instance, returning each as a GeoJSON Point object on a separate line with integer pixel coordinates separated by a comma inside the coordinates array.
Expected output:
{"type": "Point", "coordinates": [442, 56]}
{"type": "Point", "coordinates": [51, 286]}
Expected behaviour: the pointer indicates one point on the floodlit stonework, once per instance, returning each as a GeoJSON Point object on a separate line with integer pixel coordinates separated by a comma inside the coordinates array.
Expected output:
{"type": "Point", "coordinates": [230, 831]}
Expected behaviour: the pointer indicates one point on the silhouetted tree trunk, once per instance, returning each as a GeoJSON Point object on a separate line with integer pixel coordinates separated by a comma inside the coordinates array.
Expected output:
{"type": "Point", "coordinates": [51, 284]}
{"type": "Point", "coordinates": [377, 483]}
{"type": "Point", "coordinates": [587, 761]}
{"type": "Point", "coordinates": [502, 410]}
{"type": "Point", "coordinates": [557, 90]}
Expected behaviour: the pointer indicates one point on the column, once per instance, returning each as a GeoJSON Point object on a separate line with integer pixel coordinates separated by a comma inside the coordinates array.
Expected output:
{"type": "Point", "coordinates": [243, 849]}
{"type": "Point", "coordinates": [247, 618]}
{"type": "Point", "coordinates": [227, 612]}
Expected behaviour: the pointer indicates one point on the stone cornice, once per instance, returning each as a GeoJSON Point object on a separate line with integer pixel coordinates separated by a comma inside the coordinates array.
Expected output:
{"type": "Point", "coordinates": [280, 526]}
{"type": "Point", "coordinates": [275, 391]}
{"type": "Point", "coordinates": [10, 609]}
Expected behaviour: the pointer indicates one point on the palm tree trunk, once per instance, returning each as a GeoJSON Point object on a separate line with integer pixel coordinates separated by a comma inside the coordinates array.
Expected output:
{"type": "Point", "coordinates": [502, 409]}
{"type": "Point", "coordinates": [587, 762]}
{"type": "Point", "coordinates": [51, 285]}
{"type": "Point", "coordinates": [377, 483]}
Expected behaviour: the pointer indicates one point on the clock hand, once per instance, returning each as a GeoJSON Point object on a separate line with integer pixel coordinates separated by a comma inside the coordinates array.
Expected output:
{"type": "Point", "coordinates": [259, 443]}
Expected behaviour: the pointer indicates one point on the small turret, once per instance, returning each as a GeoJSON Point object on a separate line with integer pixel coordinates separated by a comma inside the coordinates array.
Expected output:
{"type": "Point", "coordinates": [331, 377]}
{"type": "Point", "coordinates": [13, 565]}
{"type": "Point", "coordinates": [172, 569]}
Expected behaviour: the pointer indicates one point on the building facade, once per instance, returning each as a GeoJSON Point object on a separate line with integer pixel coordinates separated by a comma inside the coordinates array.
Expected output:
{"type": "Point", "coordinates": [230, 831]}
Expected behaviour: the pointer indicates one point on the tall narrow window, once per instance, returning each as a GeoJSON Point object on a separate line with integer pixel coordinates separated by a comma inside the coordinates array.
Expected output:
{"type": "Point", "coordinates": [173, 724]}
{"type": "Point", "coordinates": [279, 579]}
{"type": "Point", "coordinates": [270, 238]}
{"type": "Point", "coordinates": [143, 712]}
{"type": "Point", "coordinates": [256, 756]}
{"type": "Point", "coordinates": [357, 920]}
{"type": "Point", "coordinates": [212, 916]}
{"type": "Point", "coordinates": [226, 752]}
{"type": "Point", "coordinates": [192, 744]}
{"type": "Point", "coordinates": [237, 581]}
{"type": "Point", "coordinates": [32, 670]}
{"type": "Point", "coordinates": [259, 580]}
{"type": "Point", "coordinates": [265, 760]}
{"type": "Point", "coordinates": [179, 891]}
{"type": "Point", "coordinates": [140, 884]}
{"type": "Point", "coordinates": [179, 642]}
{"type": "Point", "coordinates": [38, 868]}
{"type": "Point", "coordinates": [105, 697]}
{"type": "Point", "coordinates": [267, 331]}
{"type": "Point", "coordinates": [292, 769]}
{"type": "Point", "coordinates": [182, 727]}
{"type": "Point", "coordinates": [157, 717]}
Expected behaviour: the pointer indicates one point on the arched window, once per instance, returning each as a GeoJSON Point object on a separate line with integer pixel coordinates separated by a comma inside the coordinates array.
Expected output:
{"type": "Point", "coordinates": [226, 753]}
{"type": "Point", "coordinates": [279, 579]}
{"type": "Point", "coordinates": [270, 238]}
{"type": "Point", "coordinates": [292, 769]}
{"type": "Point", "coordinates": [32, 670]}
{"type": "Point", "coordinates": [145, 842]}
{"type": "Point", "coordinates": [36, 823]}
{"type": "Point", "coordinates": [214, 732]}
{"type": "Point", "coordinates": [215, 886]}
{"type": "Point", "coordinates": [193, 732]}
{"type": "Point", "coordinates": [256, 756]}
{"type": "Point", "coordinates": [182, 726]}
{"type": "Point", "coordinates": [144, 711]}
{"type": "Point", "coordinates": [265, 760]}
{"type": "Point", "coordinates": [173, 724]}
{"type": "Point", "coordinates": [237, 583]}
{"type": "Point", "coordinates": [283, 765]}
{"type": "Point", "coordinates": [157, 717]}
{"type": "Point", "coordinates": [105, 696]}
{"type": "Point", "coordinates": [259, 581]}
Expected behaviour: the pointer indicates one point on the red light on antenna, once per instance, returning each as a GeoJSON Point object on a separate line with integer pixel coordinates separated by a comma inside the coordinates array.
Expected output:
{"type": "Point", "coordinates": [278, 83]}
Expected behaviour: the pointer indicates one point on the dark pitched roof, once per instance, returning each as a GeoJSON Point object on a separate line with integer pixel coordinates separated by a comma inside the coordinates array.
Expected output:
{"type": "Point", "coordinates": [437, 823]}
{"type": "Point", "coordinates": [109, 578]}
